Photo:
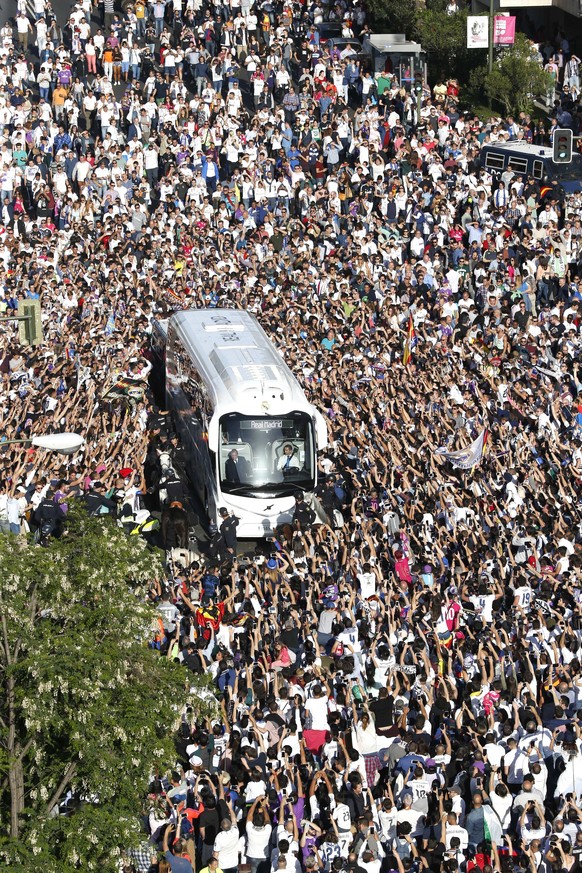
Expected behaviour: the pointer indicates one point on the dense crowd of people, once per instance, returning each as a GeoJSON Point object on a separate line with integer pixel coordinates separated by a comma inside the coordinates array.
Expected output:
{"type": "Point", "coordinates": [399, 688]}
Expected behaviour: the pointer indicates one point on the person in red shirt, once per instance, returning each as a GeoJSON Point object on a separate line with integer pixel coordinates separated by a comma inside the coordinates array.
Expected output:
{"type": "Point", "coordinates": [452, 610]}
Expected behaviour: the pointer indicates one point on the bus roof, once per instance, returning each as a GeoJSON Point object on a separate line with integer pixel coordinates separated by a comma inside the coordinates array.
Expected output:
{"type": "Point", "coordinates": [518, 147]}
{"type": "Point", "coordinates": [242, 369]}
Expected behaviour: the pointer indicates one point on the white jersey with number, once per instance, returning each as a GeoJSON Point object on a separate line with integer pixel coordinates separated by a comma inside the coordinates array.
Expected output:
{"type": "Point", "coordinates": [342, 818]}
{"type": "Point", "coordinates": [524, 596]}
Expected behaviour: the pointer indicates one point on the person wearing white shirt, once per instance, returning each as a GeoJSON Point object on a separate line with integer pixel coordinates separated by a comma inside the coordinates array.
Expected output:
{"type": "Point", "coordinates": [364, 736]}
{"type": "Point", "coordinates": [539, 771]}
{"type": "Point", "coordinates": [14, 508]}
{"type": "Point", "coordinates": [494, 751]}
{"type": "Point", "coordinates": [413, 816]}
{"type": "Point", "coordinates": [256, 787]}
{"type": "Point", "coordinates": [458, 804]}
{"type": "Point", "coordinates": [289, 460]}
{"type": "Point", "coordinates": [283, 852]}
{"type": "Point", "coordinates": [258, 834]}
{"type": "Point", "coordinates": [502, 803]}
{"type": "Point", "coordinates": [341, 816]}
{"type": "Point", "coordinates": [420, 790]}
{"type": "Point", "coordinates": [227, 844]}
{"type": "Point", "coordinates": [532, 824]}
{"type": "Point", "coordinates": [368, 581]}
{"type": "Point", "coordinates": [514, 763]}
{"type": "Point", "coordinates": [317, 706]}
{"type": "Point", "coordinates": [4, 523]}
{"type": "Point", "coordinates": [452, 829]}
{"type": "Point", "coordinates": [570, 781]}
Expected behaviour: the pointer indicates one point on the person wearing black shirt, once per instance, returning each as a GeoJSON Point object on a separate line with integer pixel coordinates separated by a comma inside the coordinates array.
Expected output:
{"type": "Point", "coordinates": [175, 526]}
{"type": "Point", "coordinates": [209, 824]}
{"type": "Point", "coordinates": [48, 517]}
{"type": "Point", "coordinates": [228, 530]}
{"type": "Point", "coordinates": [236, 467]}
{"type": "Point", "coordinates": [302, 513]}
{"type": "Point", "coordinates": [97, 503]}
{"type": "Point", "coordinates": [522, 316]}
{"type": "Point", "coordinates": [356, 799]}
{"type": "Point", "coordinates": [531, 188]}
{"type": "Point", "coordinates": [303, 56]}
{"type": "Point", "coordinates": [289, 636]}
{"type": "Point", "coordinates": [383, 711]}
{"type": "Point", "coordinates": [193, 659]}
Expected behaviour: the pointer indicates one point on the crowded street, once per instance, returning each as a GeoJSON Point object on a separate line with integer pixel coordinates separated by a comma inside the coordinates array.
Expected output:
{"type": "Point", "coordinates": [395, 672]}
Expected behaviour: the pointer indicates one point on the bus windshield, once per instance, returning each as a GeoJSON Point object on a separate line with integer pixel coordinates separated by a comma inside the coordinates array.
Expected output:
{"type": "Point", "coordinates": [266, 453]}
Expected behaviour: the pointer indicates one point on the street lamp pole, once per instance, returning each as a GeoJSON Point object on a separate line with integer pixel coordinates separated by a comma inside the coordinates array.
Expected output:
{"type": "Point", "coordinates": [64, 443]}
{"type": "Point", "coordinates": [491, 35]}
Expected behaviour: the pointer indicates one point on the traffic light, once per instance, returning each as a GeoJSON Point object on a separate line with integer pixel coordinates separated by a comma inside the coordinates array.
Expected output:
{"type": "Point", "coordinates": [562, 153]}
{"type": "Point", "coordinates": [30, 328]}
{"type": "Point", "coordinates": [418, 83]}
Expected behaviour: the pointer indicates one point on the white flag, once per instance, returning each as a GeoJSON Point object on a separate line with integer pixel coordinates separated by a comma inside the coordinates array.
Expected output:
{"type": "Point", "coordinates": [469, 457]}
{"type": "Point", "coordinates": [477, 31]}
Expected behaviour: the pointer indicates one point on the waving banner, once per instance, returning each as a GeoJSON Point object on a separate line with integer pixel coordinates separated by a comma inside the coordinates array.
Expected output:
{"type": "Point", "coordinates": [467, 458]}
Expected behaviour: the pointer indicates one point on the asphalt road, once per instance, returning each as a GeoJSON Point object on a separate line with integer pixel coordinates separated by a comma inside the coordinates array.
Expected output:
{"type": "Point", "coordinates": [7, 11]}
{"type": "Point", "coordinates": [61, 8]}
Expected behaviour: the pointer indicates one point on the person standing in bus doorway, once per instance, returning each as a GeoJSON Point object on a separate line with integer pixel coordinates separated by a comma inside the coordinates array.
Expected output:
{"type": "Point", "coordinates": [236, 467]}
{"type": "Point", "coordinates": [228, 528]}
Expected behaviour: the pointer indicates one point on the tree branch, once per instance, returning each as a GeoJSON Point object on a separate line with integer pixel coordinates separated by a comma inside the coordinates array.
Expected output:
{"type": "Point", "coordinates": [69, 774]}
{"type": "Point", "coordinates": [31, 610]}
{"type": "Point", "coordinates": [20, 756]}
{"type": "Point", "coordinates": [6, 643]}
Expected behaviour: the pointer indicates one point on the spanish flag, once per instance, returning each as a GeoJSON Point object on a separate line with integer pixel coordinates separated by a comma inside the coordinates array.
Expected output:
{"type": "Point", "coordinates": [410, 342]}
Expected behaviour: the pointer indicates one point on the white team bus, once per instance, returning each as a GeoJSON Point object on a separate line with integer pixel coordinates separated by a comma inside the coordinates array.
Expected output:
{"type": "Point", "coordinates": [250, 435]}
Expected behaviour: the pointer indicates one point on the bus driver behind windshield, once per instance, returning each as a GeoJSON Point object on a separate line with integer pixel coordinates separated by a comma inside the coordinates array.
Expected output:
{"type": "Point", "coordinates": [289, 460]}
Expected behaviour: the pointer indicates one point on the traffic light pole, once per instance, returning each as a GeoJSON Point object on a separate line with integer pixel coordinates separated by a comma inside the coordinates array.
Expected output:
{"type": "Point", "coordinates": [29, 315]}
{"type": "Point", "coordinates": [7, 320]}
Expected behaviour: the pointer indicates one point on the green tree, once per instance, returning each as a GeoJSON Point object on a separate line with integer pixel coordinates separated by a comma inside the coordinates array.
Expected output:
{"type": "Point", "coordinates": [398, 16]}
{"type": "Point", "coordinates": [444, 37]}
{"type": "Point", "coordinates": [517, 78]}
{"type": "Point", "coordinates": [86, 706]}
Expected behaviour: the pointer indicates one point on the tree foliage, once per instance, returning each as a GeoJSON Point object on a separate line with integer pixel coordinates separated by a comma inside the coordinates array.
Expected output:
{"type": "Point", "coordinates": [86, 706]}
{"type": "Point", "coordinates": [398, 16]}
{"type": "Point", "coordinates": [444, 37]}
{"type": "Point", "coordinates": [517, 78]}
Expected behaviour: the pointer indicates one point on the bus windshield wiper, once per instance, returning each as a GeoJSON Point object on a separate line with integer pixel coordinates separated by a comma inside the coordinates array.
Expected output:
{"type": "Point", "coordinates": [229, 488]}
{"type": "Point", "coordinates": [289, 485]}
